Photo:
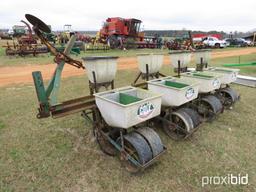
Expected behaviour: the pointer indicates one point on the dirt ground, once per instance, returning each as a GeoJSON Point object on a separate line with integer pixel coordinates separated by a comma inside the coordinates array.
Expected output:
{"type": "Point", "coordinates": [22, 74]}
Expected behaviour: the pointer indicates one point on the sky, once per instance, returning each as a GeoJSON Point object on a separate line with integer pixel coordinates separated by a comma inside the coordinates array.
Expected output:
{"type": "Point", "coordinates": [221, 15]}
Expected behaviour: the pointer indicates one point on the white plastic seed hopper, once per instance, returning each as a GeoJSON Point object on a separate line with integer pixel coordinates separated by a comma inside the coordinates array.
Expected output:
{"type": "Point", "coordinates": [154, 61]}
{"type": "Point", "coordinates": [182, 57]}
{"type": "Point", "coordinates": [228, 75]}
{"type": "Point", "coordinates": [202, 56]}
{"type": "Point", "coordinates": [128, 106]}
{"type": "Point", "coordinates": [103, 67]}
{"type": "Point", "coordinates": [208, 82]}
{"type": "Point", "coordinates": [175, 91]}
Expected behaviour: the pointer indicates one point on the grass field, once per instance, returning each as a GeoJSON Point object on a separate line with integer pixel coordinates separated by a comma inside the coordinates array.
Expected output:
{"type": "Point", "coordinates": [62, 155]}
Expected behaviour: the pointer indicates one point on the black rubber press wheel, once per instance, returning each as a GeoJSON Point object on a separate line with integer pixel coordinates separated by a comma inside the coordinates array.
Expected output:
{"type": "Point", "coordinates": [153, 140]}
{"type": "Point", "coordinates": [138, 148]}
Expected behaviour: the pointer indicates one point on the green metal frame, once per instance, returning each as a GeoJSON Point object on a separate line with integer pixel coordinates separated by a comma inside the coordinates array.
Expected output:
{"type": "Point", "coordinates": [48, 97]}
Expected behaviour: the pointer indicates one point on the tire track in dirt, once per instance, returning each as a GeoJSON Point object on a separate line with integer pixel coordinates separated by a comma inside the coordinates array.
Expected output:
{"type": "Point", "coordinates": [22, 74]}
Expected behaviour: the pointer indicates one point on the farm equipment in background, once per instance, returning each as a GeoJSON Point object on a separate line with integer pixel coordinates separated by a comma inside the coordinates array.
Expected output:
{"type": "Point", "coordinates": [184, 43]}
{"type": "Point", "coordinates": [66, 34]}
{"type": "Point", "coordinates": [179, 44]}
{"type": "Point", "coordinates": [18, 30]}
{"type": "Point", "coordinates": [26, 45]}
{"type": "Point", "coordinates": [125, 33]}
{"type": "Point", "coordinates": [195, 41]}
{"type": "Point", "coordinates": [51, 37]}
{"type": "Point", "coordinates": [24, 49]}
{"type": "Point", "coordinates": [29, 38]}
{"type": "Point", "coordinates": [83, 37]}
{"type": "Point", "coordinates": [96, 43]}
{"type": "Point", "coordinates": [5, 34]}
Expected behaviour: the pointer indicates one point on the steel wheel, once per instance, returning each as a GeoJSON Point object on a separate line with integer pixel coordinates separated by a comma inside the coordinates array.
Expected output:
{"type": "Point", "coordinates": [228, 96]}
{"type": "Point", "coordinates": [137, 147]}
{"type": "Point", "coordinates": [194, 116]}
{"type": "Point", "coordinates": [105, 144]}
{"type": "Point", "coordinates": [209, 106]}
{"type": "Point", "coordinates": [179, 125]}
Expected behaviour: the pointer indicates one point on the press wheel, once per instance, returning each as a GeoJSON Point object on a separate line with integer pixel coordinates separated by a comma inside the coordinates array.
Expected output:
{"type": "Point", "coordinates": [209, 107]}
{"type": "Point", "coordinates": [179, 126]}
{"type": "Point", "coordinates": [138, 148]}
{"type": "Point", "coordinates": [152, 139]}
{"type": "Point", "coordinates": [228, 97]}
{"type": "Point", "coordinates": [193, 114]}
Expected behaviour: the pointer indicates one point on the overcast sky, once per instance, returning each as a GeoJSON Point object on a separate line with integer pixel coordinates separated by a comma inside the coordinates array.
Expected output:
{"type": "Point", "coordinates": [226, 15]}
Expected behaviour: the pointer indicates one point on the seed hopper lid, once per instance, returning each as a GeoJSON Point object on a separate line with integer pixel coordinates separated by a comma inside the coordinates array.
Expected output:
{"type": "Point", "coordinates": [38, 23]}
{"type": "Point", "coordinates": [92, 58]}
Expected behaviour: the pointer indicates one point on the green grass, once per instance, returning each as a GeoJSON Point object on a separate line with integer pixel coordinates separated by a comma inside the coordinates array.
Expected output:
{"type": "Point", "coordinates": [246, 70]}
{"type": "Point", "coordinates": [62, 155]}
{"type": "Point", "coordinates": [2, 51]}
